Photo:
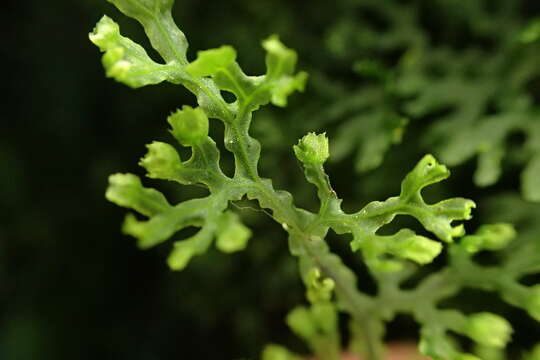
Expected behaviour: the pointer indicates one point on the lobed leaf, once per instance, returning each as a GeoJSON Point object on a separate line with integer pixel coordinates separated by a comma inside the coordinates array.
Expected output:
{"type": "Point", "coordinates": [126, 61]}
{"type": "Point", "coordinates": [155, 16]}
{"type": "Point", "coordinates": [363, 225]}
{"type": "Point", "coordinates": [232, 235]}
{"type": "Point", "coordinates": [251, 92]}
{"type": "Point", "coordinates": [126, 190]}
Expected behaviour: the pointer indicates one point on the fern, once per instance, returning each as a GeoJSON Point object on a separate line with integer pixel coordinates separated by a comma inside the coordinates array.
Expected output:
{"type": "Point", "coordinates": [476, 99]}
{"type": "Point", "coordinates": [331, 286]}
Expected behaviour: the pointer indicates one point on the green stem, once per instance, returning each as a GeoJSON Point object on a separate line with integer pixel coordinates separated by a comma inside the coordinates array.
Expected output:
{"type": "Point", "coordinates": [357, 304]}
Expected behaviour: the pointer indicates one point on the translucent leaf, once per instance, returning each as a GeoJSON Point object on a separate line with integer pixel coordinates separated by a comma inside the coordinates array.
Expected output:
{"type": "Point", "coordinates": [126, 190]}
{"type": "Point", "coordinates": [210, 62]}
{"type": "Point", "coordinates": [232, 235]}
{"type": "Point", "coordinates": [489, 237]}
{"type": "Point", "coordinates": [162, 226]}
{"type": "Point", "coordinates": [489, 329]}
{"type": "Point", "coordinates": [280, 64]}
{"type": "Point", "coordinates": [301, 322]}
{"type": "Point", "coordinates": [165, 220]}
{"type": "Point", "coordinates": [411, 246]}
{"type": "Point", "coordinates": [126, 61]}
{"type": "Point", "coordinates": [155, 16]}
{"type": "Point", "coordinates": [278, 352]}
{"type": "Point", "coordinates": [437, 218]}
{"type": "Point", "coordinates": [184, 250]}
{"type": "Point", "coordinates": [252, 92]}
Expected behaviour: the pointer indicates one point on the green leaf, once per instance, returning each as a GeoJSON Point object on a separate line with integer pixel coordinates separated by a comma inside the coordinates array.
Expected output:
{"type": "Point", "coordinates": [221, 64]}
{"type": "Point", "coordinates": [126, 61]}
{"type": "Point", "coordinates": [282, 88]}
{"type": "Point", "coordinates": [436, 218]}
{"type": "Point", "coordinates": [184, 250]}
{"type": "Point", "coordinates": [489, 237]}
{"type": "Point", "coordinates": [280, 64]}
{"type": "Point", "coordinates": [531, 32]}
{"type": "Point", "coordinates": [367, 123]}
{"type": "Point", "coordinates": [325, 274]}
{"type": "Point", "coordinates": [414, 247]}
{"type": "Point", "coordinates": [210, 62]}
{"type": "Point", "coordinates": [251, 92]}
{"type": "Point", "coordinates": [435, 344]}
{"type": "Point", "coordinates": [162, 226]}
{"type": "Point", "coordinates": [232, 234]}
{"type": "Point", "coordinates": [162, 161]}
{"type": "Point", "coordinates": [189, 126]}
{"type": "Point", "coordinates": [405, 244]}
{"type": "Point", "coordinates": [278, 352]}
{"type": "Point", "coordinates": [300, 321]}
{"type": "Point", "coordinates": [489, 329]}
{"type": "Point", "coordinates": [155, 16]}
{"type": "Point", "coordinates": [280, 60]}
{"type": "Point", "coordinates": [126, 190]}
{"type": "Point", "coordinates": [428, 171]}
{"type": "Point", "coordinates": [165, 220]}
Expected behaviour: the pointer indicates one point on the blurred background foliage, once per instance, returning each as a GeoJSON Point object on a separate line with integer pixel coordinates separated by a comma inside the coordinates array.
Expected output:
{"type": "Point", "coordinates": [389, 81]}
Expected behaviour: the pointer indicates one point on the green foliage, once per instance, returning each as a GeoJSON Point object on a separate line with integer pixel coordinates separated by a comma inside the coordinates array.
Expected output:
{"type": "Point", "coordinates": [481, 95]}
{"type": "Point", "coordinates": [331, 287]}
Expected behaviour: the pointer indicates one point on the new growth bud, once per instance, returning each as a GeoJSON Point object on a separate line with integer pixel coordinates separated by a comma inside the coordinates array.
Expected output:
{"type": "Point", "coordinates": [318, 288]}
{"type": "Point", "coordinates": [105, 33]}
{"type": "Point", "coordinates": [489, 329]}
{"type": "Point", "coordinates": [106, 36]}
{"type": "Point", "coordinates": [161, 161]}
{"type": "Point", "coordinates": [189, 125]}
{"type": "Point", "coordinates": [312, 149]}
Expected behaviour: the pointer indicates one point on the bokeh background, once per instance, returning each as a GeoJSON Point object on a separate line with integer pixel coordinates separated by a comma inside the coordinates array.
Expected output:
{"type": "Point", "coordinates": [73, 287]}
